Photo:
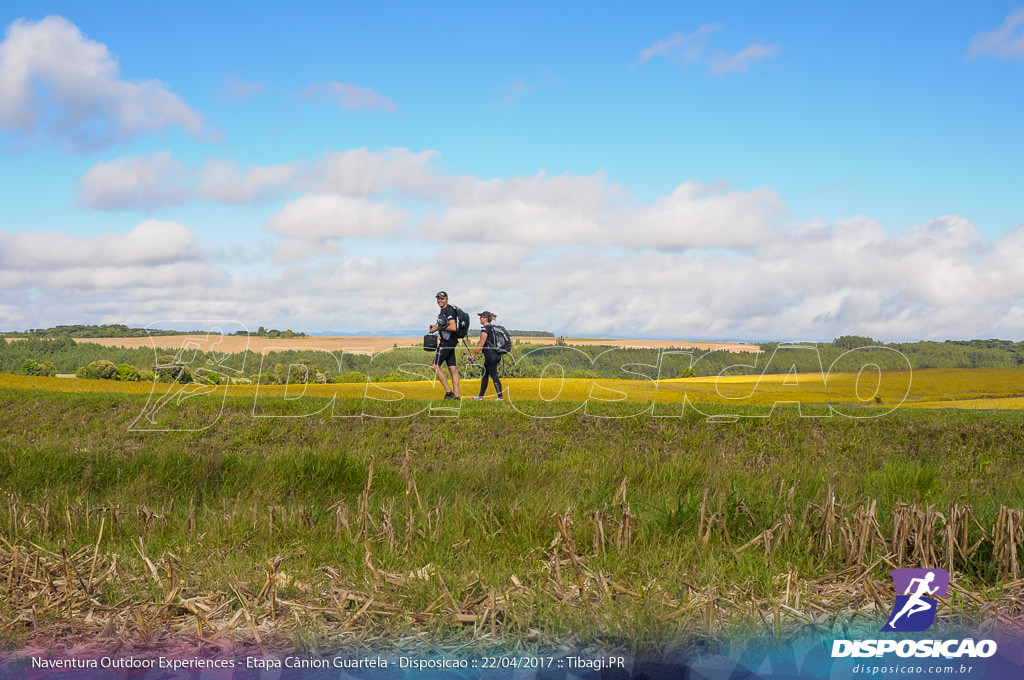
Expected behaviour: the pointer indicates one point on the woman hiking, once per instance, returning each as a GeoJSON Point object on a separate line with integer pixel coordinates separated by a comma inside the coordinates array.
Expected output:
{"type": "Point", "coordinates": [491, 355]}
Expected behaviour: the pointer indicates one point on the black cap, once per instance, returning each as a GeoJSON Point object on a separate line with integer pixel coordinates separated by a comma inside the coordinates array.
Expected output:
{"type": "Point", "coordinates": [441, 294]}
{"type": "Point", "coordinates": [487, 314]}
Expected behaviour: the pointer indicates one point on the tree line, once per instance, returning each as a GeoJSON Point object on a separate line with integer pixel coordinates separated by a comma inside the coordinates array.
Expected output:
{"type": "Point", "coordinates": [42, 356]}
{"type": "Point", "coordinates": [118, 330]}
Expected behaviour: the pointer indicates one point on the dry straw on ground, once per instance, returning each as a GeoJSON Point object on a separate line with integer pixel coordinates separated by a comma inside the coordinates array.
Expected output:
{"type": "Point", "coordinates": [83, 594]}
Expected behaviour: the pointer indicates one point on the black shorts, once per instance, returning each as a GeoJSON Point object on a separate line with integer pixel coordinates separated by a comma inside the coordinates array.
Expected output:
{"type": "Point", "coordinates": [444, 355]}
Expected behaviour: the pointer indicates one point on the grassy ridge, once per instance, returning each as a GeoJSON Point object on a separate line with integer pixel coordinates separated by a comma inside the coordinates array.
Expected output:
{"type": "Point", "coordinates": [970, 456]}
{"type": "Point", "coordinates": [445, 523]}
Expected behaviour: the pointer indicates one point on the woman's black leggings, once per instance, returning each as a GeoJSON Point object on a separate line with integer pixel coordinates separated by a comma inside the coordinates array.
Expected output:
{"type": "Point", "coordinates": [491, 359]}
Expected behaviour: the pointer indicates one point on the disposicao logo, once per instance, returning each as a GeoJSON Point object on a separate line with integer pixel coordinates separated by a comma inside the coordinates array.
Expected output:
{"type": "Point", "coordinates": [914, 610]}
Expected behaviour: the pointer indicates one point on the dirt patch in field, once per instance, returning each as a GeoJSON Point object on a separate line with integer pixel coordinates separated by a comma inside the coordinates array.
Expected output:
{"type": "Point", "coordinates": [233, 344]}
{"type": "Point", "coordinates": [369, 345]}
{"type": "Point", "coordinates": [649, 344]}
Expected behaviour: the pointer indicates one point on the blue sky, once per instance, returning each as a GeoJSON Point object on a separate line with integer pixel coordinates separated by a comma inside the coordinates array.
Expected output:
{"type": "Point", "coordinates": [699, 171]}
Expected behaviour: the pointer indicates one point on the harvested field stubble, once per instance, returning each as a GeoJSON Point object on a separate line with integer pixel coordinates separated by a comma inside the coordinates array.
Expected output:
{"type": "Point", "coordinates": [367, 344]}
{"type": "Point", "coordinates": [563, 590]}
{"type": "Point", "coordinates": [490, 528]}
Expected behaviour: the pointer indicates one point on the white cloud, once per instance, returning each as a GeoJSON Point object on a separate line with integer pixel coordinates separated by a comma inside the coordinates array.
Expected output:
{"type": "Point", "coordinates": [695, 216]}
{"type": "Point", "coordinates": [511, 93]}
{"type": "Point", "coordinates": [568, 210]}
{"type": "Point", "coordinates": [569, 253]}
{"type": "Point", "coordinates": [533, 210]}
{"type": "Point", "coordinates": [1001, 274]}
{"type": "Point", "coordinates": [816, 287]}
{"type": "Point", "coordinates": [486, 258]}
{"type": "Point", "coordinates": [235, 89]}
{"type": "Point", "coordinates": [360, 172]}
{"type": "Point", "coordinates": [93, 279]}
{"type": "Point", "coordinates": [1005, 42]}
{"type": "Point", "coordinates": [351, 97]}
{"type": "Point", "coordinates": [223, 182]}
{"type": "Point", "coordinates": [147, 181]}
{"type": "Point", "coordinates": [741, 61]}
{"type": "Point", "coordinates": [155, 180]}
{"type": "Point", "coordinates": [57, 84]}
{"type": "Point", "coordinates": [320, 216]}
{"type": "Point", "coordinates": [687, 47]}
{"type": "Point", "coordinates": [303, 250]}
{"type": "Point", "coordinates": [540, 209]}
{"type": "Point", "coordinates": [536, 210]}
{"type": "Point", "coordinates": [938, 280]}
{"type": "Point", "coordinates": [153, 242]}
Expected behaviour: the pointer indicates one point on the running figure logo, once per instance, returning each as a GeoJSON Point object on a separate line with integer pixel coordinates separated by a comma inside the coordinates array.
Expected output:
{"type": "Point", "coordinates": [914, 610]}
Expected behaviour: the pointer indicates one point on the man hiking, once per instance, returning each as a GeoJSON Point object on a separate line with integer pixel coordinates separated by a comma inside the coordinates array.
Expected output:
{"type": "Point", "coordinates": [446, 326]}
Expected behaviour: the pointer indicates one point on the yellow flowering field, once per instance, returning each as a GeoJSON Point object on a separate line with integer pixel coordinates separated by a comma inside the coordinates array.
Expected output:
{"type": "Point", "coordinates": [933, 388]}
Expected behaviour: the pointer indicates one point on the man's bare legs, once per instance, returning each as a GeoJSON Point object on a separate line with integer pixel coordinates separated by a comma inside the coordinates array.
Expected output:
{"type": "Point", "coordinates": [444, 379]}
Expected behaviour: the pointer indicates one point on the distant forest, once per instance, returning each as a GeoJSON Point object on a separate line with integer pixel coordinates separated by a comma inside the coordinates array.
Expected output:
{"type": "Point", "coordinates": [45, 356]}
{"type": "Point", "coordinates": [121, 331]}
{"type": "Point", "coordinates": [117, 330]}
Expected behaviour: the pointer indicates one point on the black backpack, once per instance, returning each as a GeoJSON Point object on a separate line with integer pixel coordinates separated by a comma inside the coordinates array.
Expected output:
{"type": "Point", "coordinates": [501, 341]}
{"type": "Point", "coordinates": [461, 322]}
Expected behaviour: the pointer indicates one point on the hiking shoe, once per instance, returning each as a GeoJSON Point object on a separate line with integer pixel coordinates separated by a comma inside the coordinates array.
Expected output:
{"type": "Point", "coordinates": [500, 399]}
{"type": "Point", "coordinates": [449, 395]}
{"type": "Point", "coordinates": [478, 398]}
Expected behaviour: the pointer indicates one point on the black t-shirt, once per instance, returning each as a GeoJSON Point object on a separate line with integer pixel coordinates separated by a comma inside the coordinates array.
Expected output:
{"type": "Point", "coordinates": [489, 342]}
{"type": "Point", "coordinates": [444, 316]}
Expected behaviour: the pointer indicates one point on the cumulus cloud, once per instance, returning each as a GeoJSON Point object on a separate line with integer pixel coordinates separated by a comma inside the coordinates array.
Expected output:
{"type": "Point", "coordinates": [566, 210]}
{"type": "Point", "coordinates": [687, 47]}
{"type": "Point", "coordinates": [741, 61]}
{"type": "Point", "coordinates": [813, 282]}
{"type": "Point", "coordinates": [1005, 42]}
{"type": "Point", "coordinates": [696, 216]}
{"type": "Point", "coordinates": [155, 180]}
{"type": "Point", "coordinates": [97, 279]}
{"type": "Point", "coordinates": [533, 210]}
{"type": "Point", "coordinates": [485, 258]}
{"type": "Point", "coordinates": [350, 97]}
{"type": "Point", "coordinates": [511, 93]}
{"type": "Point", "coordinates": [818, 286]}
{"type": "Point", "coordinates": [569, 253]}
{"type": "Point", "coordinates": [147, 181]}
{"type": "Point", "coordinates": [58, 85]}
{"type": "Point", "coordinates": [153, 242]}
{"type": "Point", "coordinates": [235, 88]}
{"type": "Point", "coordinates": [1001, 275]}
{"type": "Point", "coordinates": [320, 216]}
{"type": "Point", "coordinates": [938, 280]}
{"type": "Point", "coordinates": [361, 172]}
{"type": "Point", "coordinates": [303, 250]}
{"type": "Point", "coordinates": [538, 209]}
{"type": "Point", "coordinates": [224, 182]}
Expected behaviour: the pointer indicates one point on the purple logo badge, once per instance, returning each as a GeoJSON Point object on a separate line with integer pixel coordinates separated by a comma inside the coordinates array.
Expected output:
{"type": "Point", "coordinates": [914, 610]}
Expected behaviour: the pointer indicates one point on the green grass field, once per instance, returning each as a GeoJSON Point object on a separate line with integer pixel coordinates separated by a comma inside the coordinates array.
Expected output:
{"type": "Point", "coordinates": [492, 527]}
